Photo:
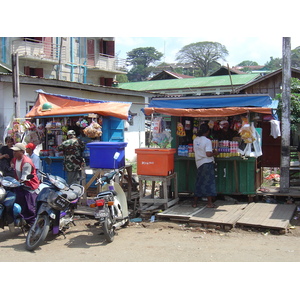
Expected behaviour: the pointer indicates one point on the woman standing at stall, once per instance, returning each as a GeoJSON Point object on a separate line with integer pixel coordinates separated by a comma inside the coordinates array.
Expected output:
{"type": "Point", "coordinates": [204, 158]}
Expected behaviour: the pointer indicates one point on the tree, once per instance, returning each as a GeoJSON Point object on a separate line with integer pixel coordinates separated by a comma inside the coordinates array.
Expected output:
{"type": "Point", "coordinates": [273, 64]}
{"type": "Point", "coordinates": [121, 78]}
{"type": "Point", "coordinates": [143, 56]}
{"type": "Point", "coordinates": [295, 57]}
{"type": "Point", "coordinates": [246, 63]}
{"type": "Point", "coordinates": [295, 104]}
{"type": "Point", "coordinates": [142, 61]}
{"type": "Point", "coordinates": [276, 63]}
{"type": "Point", "coordinates": [203, 55]}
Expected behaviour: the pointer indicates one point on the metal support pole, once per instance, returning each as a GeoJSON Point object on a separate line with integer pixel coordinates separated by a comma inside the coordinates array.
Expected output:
{"type": "Point", "coordinates": [16, 84]}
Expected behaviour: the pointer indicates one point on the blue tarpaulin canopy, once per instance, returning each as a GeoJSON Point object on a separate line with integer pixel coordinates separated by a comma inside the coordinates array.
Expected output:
{"type": "Point", "coordinates": [210, 102]}
{"type": "Point", "coordinates": [212, 106]}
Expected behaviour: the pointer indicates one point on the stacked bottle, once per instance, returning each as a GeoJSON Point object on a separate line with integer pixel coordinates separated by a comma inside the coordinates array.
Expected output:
{"type": "Point", "coordinates": [228, 148]}
{"type": "Point", "coordinates": [186, 150]}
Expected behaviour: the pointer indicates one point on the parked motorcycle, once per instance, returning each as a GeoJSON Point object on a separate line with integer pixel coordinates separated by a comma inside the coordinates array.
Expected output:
{"type": "Point", "coordinates": [111, 206]}
{"type": "Point", "coordinates": [10, 212]}
{"type": "Point", "coordinates": [55, 209]}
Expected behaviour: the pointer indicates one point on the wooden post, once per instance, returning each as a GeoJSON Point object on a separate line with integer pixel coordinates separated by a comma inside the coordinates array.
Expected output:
{"type": "Point", "coordinates": [286, 112]}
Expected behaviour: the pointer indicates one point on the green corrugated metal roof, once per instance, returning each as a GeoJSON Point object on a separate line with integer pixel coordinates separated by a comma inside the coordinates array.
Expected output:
{"type": "Point", "coordinates": [198, 82]}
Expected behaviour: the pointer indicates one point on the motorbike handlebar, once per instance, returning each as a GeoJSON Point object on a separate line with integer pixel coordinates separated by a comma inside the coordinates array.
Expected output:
{"type": "Point", "coordinates": [106, 178]}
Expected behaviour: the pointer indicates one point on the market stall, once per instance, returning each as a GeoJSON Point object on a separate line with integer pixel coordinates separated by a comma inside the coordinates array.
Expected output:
{"type": "Point", "coordinates": [93, 120]}
{"type": "Point", "coordinates": [238, 165]}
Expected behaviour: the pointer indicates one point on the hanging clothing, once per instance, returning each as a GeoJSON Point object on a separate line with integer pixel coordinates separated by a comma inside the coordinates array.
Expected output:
{"type": "Point", "coordinates": [275, 128]}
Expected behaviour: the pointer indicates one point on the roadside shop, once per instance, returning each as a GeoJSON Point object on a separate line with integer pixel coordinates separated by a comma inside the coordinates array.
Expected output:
{"type": "Point", "coordinates": [98, 123]}
{"type": "Point", "coordinates": [241, 154]}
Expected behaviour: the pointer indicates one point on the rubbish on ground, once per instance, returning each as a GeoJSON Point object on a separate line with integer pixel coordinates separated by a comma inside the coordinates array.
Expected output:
{"type": "Point", "coordinates": [136, 220]}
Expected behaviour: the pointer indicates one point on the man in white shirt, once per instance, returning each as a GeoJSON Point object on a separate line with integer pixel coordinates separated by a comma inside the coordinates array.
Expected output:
{"type": "Point", "coordinates": [204, 158]}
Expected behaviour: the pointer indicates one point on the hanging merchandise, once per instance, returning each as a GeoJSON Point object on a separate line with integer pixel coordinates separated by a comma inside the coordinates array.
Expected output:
{"type": "Point", "coordinates": [18, 128]}
{"type": "Point", "coordinates": [82, 123]}
{"type": "Point", "coordinates": [195, 128]}
{"type": "Point", "coordinates": [180, 129]}
{"type": "Point", "coordinates": [211, 124]}
{"type": "Point", "coordinates": [158, 125]}
{"type": "Point", "coordinates": [34, 134]}
{"type": "Point", "coordinates": [252, 138]}
{"type": "Point", "coordinates": [93, 130]}
{"type": "Point", "coordinates": [160, 136]}
{"type": "Point", "coordinates": [187, 125]}
{"type": "Point", "coordinates": [247, 134]}
{"type": "Point", "coordinates": [216, 126]}
{"type": "Point", "coordinates": [162, 139]}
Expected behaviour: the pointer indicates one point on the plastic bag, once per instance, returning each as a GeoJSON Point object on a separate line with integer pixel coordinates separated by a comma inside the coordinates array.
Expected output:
{"type": "Point", "coordinates": [162, 139]}
{"type": "Point", "coordinates": [93, 130]}
{"type": "Point", "coordinates": [247, 133]}
{"type": "Point", "coordinates": [180, 130]}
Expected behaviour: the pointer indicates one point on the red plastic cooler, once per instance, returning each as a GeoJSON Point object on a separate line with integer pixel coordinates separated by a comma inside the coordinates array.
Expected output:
{"type": "Point", "coordinates": [155, 161]}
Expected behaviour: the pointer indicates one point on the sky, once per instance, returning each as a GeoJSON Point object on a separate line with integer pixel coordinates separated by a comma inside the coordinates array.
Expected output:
{"type": "Point", "coordinates": [250, 30]}
{"type": "Point", "coordinates": [258, 49]}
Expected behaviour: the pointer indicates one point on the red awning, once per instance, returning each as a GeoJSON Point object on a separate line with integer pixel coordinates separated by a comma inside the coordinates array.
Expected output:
{"type": "Point", "coordinates": [48, 105]}
{"type": "Point", "coordinates": [206, 112]}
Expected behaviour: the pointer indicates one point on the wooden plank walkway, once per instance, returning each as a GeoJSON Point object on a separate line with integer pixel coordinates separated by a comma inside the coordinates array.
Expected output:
{"type": "Point", "coordinates": [226, 214]}
{"type": "Point", "coordinates": [229, 214]}
{"type": "Point", "coordinates": [182, 212]}
{"type": "Point", "coordinates": [264, 215]}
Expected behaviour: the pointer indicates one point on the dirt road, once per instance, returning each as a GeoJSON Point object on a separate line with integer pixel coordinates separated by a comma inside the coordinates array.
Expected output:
{"type": "Point", "coordinates": [160, 241]}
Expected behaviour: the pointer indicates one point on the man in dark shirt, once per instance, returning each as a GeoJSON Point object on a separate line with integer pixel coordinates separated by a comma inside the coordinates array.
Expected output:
{"type": "Point", "coordinates": [225, 133]}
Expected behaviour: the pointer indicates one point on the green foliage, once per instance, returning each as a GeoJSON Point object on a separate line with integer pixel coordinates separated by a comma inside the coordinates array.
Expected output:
{"type": "Point", "coordinates": [273, 64]}
{"type": "Point", "coordinates": [203, 55]}
{"type": "Point", "coordinates": [276, 63]}
{"type": "Point", "coordinates": [141, 60]}
{"type": "Point", "coordinates": [247, 63]}
{"type": "Point", "coordinates": [139, 73]}
{"type": "Point", "coordinates": [122, 78]}
{"type": "Point", "coordinates": [295, 103]}
{"type": "Point", "coordinates": [143, 56]}
{"type": "Point", "coordinates": [295, 57]}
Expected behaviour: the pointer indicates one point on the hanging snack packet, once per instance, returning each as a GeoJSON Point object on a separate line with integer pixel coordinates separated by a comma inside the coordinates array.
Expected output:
{"type": "Point", "coordinates": [180, 129]}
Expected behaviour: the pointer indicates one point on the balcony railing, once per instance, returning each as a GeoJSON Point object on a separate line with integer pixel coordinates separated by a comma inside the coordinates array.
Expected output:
{"type": "Point", "coordinates": [36, 49]}
{"type": "Point", "coordinates": [47, 51]}
{"type": "Point", "coordinates": [106, 62]}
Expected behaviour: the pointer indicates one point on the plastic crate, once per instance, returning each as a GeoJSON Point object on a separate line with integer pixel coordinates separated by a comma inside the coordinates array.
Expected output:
{"type": "Point", "coordinates": [155, 161]}
{"type": "Point", "coordinates": [102, 154]}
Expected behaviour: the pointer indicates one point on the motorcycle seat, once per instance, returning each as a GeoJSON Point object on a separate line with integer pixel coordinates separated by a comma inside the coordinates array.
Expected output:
{"type": "Point", "coordinates": [77, 188]}
{"type": "Point", "coordinates": [107, 193]}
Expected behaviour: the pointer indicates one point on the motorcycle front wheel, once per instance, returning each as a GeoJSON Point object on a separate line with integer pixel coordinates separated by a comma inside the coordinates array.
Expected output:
{"type": "Point", "coordinates": [37, 232]}
{"type": "Point", "coordinates": [108, 229]}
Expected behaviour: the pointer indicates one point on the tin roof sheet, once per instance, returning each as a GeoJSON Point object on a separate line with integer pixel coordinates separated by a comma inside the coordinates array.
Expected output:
{"type": "Point", "coordinates": [185, 83]}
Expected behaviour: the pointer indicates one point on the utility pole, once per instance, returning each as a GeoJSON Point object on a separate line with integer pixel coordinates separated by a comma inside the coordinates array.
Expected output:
{"type": "Point", "coordinates": [16, 84]}
{"type": "Point", "coordinates": [286, 114]}
{"type": "Point", "coordinates": [59, 59]}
